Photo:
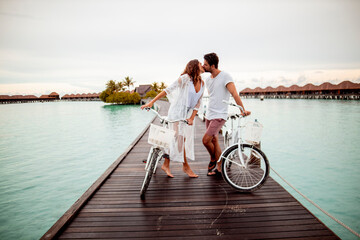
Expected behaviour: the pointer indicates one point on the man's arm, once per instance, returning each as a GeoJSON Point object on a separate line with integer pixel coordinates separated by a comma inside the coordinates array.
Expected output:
{"type": "Point", "coordinates": [232, 89]}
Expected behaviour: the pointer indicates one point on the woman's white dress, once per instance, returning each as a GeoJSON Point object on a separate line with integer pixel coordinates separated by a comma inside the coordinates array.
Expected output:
{"type": "Point", "coordinates": [183, 100]}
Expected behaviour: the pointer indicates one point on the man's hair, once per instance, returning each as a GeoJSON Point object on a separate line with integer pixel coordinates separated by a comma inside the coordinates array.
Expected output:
{"type": "Point", "coordinates": [212, 59]}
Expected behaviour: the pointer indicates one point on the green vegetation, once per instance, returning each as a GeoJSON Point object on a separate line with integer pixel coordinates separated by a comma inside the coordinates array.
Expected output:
{"type": "Point", "coordinates": [151, 94]}
{"type": "Point", "coordinates": [128, 82]}
{"type": "Point", "coordinates": [114, 92]}
{"type": "Point", "coordinates": [158, 87]}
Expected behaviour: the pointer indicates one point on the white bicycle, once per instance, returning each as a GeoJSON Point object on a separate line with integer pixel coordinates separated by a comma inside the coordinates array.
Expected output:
{"type": "Point", "coordinates": [160, 137]}
{"type": "Point", "coordinates": [244, 166]}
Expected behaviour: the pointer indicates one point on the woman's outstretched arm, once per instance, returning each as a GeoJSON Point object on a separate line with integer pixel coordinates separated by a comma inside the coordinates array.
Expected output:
{"type": "Point", "coordinates": [151, 103]}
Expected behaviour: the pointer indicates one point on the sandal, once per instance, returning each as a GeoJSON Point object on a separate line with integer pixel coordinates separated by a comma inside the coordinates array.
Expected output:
{"type": "Point", "coordinates": [212, 165]}
{"type": "Point", "coordinates": [214, 172]}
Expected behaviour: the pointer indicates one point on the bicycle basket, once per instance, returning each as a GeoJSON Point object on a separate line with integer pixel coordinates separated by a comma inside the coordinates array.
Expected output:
{"type": "Point", "coordinates": [253, 132]}
{"type": "Point", "coordinates": [160, 136]}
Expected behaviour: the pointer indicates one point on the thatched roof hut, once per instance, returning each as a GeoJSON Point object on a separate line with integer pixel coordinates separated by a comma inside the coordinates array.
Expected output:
{"type": "Point", "coordinates": [324, 87]}
{"type": "Point", "coordinates": [143, 89]}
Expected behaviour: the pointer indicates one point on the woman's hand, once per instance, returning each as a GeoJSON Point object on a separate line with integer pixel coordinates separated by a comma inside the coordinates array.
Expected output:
{"type": "Point", "coordinates": [149, 105]}
{"type": "Point", "coordinates": [246, 113]}
{"type": "Point", "coordinates": [190, 121]}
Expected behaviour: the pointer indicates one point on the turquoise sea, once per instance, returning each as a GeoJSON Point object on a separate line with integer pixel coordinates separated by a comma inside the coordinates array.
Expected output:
{"type": "Point", "coordinates": [315, 146]}
{"type": "Point", "coordinates": [50, 153]}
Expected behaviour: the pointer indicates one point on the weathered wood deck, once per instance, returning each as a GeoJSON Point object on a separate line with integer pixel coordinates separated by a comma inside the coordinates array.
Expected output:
{"type": "Point", "coordinates": [183, 208]}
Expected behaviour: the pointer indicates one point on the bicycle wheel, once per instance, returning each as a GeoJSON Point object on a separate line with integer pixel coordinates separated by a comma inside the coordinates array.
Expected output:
{"type": "Point", "coordinates": [249, 176]}
{"type": "Point", "coordinates": [149, 172]}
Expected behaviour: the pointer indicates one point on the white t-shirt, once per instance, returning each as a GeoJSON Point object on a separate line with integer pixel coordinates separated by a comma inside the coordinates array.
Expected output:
{"type": "Point", "coordinates": [217, 93]}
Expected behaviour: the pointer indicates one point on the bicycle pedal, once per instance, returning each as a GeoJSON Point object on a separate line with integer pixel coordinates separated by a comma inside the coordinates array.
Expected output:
{"type": "Point", "coordinates": [144, 161]}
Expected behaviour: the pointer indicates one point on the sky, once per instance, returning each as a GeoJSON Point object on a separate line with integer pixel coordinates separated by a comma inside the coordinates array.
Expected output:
{"type": "Point", "coordinates": [76, 46]}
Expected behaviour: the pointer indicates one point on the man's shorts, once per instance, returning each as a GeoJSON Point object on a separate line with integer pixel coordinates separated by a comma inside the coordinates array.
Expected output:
{"type": "Point", "coordinates": [213, 126]}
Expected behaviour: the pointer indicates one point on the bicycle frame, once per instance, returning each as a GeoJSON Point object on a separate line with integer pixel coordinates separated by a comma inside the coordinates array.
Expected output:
{"type": "Point", "coordinates": [232, 134]}
{"type": "Point", "coordinates": [155, 154]}
{"type": "Point", "coordinates": [236, 134]}
{"type": "Point", "coordinates": [164, 122]}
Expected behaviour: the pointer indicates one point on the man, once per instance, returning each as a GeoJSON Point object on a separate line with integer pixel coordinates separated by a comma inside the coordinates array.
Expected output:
{"type": "Point", "coordinates": [219, 85]}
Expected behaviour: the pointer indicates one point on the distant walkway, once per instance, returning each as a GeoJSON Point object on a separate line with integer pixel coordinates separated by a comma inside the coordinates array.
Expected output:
{"type": "Point", "coordinates": [183, 208]}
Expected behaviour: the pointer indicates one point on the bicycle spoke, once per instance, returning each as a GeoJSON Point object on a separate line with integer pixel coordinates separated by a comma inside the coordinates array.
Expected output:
{"type": "Point", "coordinates": [245, 177]}
{"type": "Point", "coordinates": [232, 161]}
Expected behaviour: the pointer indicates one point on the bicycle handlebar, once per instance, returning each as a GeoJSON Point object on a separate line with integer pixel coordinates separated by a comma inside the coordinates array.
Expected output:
{"type": "Point", "coordinates": [235, 105]}
{"type": "Point", "coordinates": [163, 118]}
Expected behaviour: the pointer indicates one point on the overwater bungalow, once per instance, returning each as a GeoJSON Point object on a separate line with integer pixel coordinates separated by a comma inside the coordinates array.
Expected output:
{"type": "Point", "coordinates": [54, 95]}
{"type": "Point", "coordinates": [4, 99]}
{"type": "Point", "coordinates": [343, 90]}
{"type": "Point", "coordinates": [82, 97]}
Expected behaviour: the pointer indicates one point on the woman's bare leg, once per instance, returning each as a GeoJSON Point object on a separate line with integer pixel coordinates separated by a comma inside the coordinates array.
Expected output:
{"type": "Point", "coordinates": [187, 169]}
{"type": "Point", "coordinates": [166, 167]}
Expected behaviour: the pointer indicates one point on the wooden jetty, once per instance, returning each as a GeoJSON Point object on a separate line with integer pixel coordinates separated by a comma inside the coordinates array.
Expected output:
{"type": "Point", "coordinates": [182, 207]}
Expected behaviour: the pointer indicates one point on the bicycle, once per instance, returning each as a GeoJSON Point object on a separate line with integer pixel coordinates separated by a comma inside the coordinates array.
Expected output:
{"type": "Point", "coordinates": [160, 137]}
{"type": "Point", "coordinates": [229, 139]}
{"type": "Point", "coordinates": [244, 166]}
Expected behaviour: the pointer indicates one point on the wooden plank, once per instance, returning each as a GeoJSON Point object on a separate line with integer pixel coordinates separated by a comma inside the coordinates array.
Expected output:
{"type": "Point", "coordinates": [240, 227]}
{"type": "Point", "coordinates": [200, 234]}
{"type": "Point", "coordinates": [69, 215]}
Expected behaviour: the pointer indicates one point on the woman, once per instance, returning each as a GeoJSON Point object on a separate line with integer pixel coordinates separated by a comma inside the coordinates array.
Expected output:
{"type": "Point", "coordinates": [185, 96]}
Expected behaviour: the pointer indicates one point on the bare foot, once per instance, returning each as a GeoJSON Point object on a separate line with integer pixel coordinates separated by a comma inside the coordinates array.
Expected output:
{"type": "Point", "coordinates": [167, 171]}
{"type": "Point", "coordinates": [189, 172]}
{"type": "Point", "coordinates": [215, 171]}
{"type": "Point", "coordinates": [218, 167]}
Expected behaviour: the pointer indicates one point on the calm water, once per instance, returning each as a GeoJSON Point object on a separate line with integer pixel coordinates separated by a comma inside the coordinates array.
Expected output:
{"type": "Point", "coordinates": [50, 153]}
{"type": "Point", "coordinates": [314, 144]}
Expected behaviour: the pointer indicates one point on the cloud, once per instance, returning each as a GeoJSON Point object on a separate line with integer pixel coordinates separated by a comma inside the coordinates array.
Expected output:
{"type": "Point", "coordinates": [284, 81]}
{"type": "Point", "coordinates": [91, 42]}
{"type": "Point", "coordinates": [15, 15]}
{"type": "Point", "coordinates": [39, 89]}
{"type": "Point", "coordinates": [288, 78]}
{"type": "Point", "coordinates": [302, 79]}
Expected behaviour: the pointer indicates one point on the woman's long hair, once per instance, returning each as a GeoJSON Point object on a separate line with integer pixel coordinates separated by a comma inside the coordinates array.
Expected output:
{"type": "Point", "coordinates": [193, 70]}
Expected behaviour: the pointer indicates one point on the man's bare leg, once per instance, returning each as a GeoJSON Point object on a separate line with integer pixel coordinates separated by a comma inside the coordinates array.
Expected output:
{"type": "Point", "coordinates": [213, 147]}
{"type": "Point", "coordinates": [209, 145]}
{"type": "Point", "coordinates": [166, 167]}
{"type": "Point", "coordinates": [217, 151]}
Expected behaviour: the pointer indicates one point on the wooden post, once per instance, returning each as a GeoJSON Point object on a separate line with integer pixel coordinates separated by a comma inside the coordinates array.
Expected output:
{"type": "Point", "coordinates": [253, 159]}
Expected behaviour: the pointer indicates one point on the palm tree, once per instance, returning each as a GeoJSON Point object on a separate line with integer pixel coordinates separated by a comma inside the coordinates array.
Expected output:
{"type": "Point", "coordinates": [155, 86]}
{"type": "Point", "coordinates": [120, 86]}
{"type": "Point", "coordinates": [162, 86]}
{"type": "Point", "coordinates": [111, 86]}
{"type": "Point", "coordinates": [128, 82]}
